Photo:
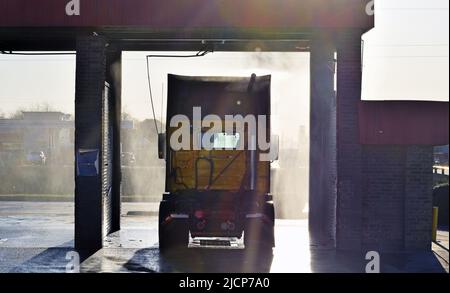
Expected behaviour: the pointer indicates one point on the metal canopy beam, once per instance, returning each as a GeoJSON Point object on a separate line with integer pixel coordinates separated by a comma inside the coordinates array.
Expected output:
{"type": "Point", "coordinates": [168, 45]}
{"type": "Point", "coordinates": [64, 39]}
{"type": "Point", "coordinates": [266, 25]}
{"type": "Point", "coordinates": [190, 14]}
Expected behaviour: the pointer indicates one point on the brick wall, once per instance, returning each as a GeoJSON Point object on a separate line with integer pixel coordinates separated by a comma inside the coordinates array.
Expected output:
{"type": "Point", "coordinates": [97, 126]}
{"type": "Point", "coordinates": [383, 197]}
{"type": "Point", "coordinates": [418, 197]}
{"type": "Point", "coordinates": [349, 151]}
{"type": "Point", "coordinates": [323, 173]}
{"type": "Point", "coordinates": [384, 192]}
{"type": "Point", "coordinates": [397, 197]}
{"type": "Point", "coordinates": [89, 87]}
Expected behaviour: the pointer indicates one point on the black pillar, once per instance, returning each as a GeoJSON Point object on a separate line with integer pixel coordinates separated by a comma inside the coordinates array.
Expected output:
{"type": "Point", "coordinates": [349, 229]}
{"type": "Point", "coordinates": [323, 169]}
{"type": "Point", "coordinates": [89, 89]}
{"type": "Point", "coordinates": [97, 142]}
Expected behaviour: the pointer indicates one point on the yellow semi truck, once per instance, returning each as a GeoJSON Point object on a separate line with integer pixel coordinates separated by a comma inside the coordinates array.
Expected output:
{"type": "Point", "coordinates": [217, 185]}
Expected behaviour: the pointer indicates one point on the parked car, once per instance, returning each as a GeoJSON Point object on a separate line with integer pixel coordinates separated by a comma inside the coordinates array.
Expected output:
{"type": "Point", "coordinates": [128, 159]}
{"type": "Point", "coordinates": [36, 158]}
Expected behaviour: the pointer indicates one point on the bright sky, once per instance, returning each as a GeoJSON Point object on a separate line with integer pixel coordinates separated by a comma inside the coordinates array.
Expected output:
{"type": "Point", "coordinates": [406, 55]}
{"type": "Point", "coordinates": [405, 58]}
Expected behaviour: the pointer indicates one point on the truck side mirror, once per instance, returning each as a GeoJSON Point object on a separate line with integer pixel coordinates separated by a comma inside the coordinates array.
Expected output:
{"type": "Point", "coordinates": [162, 146]}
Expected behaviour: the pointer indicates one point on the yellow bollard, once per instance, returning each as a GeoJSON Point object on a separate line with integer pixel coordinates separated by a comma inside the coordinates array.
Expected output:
{"type": "Point", "coordinates": [435, 223]}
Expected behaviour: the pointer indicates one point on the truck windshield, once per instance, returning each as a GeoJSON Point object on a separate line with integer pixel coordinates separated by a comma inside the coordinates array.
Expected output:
{"type": "Point", "coordinates": [225, 141]}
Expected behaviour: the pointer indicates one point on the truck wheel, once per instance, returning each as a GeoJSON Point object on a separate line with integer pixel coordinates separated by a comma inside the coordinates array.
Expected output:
{"type": "Point", "coordinates": [173, 234]}
{"type": "Point", "coordinates": [259, 233]}
{"type": "Point", "coordinates": [173, 237]}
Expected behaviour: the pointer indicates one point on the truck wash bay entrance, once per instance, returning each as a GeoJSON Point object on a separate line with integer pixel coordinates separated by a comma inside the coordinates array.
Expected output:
{"type": "Point", "coordinates": [341, 200]}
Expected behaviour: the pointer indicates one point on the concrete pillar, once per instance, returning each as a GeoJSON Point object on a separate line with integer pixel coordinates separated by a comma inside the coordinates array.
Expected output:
{"type": "Point", "coordinates": [323, 177]}
{"type": "Point", "coordinates": [349, 155]}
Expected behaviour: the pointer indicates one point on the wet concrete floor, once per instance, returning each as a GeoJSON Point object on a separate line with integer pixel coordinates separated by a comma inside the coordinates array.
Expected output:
{"type": "Point", "coordinates": [37, 237]}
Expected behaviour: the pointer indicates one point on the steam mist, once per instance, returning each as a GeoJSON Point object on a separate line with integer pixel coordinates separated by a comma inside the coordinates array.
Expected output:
{"type": "Point", "coordinates": [290, 118]}
{"type": "Point", "coordinates": [23, 171]}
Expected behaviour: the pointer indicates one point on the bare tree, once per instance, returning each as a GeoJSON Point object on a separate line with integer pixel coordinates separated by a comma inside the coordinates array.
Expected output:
{"type": "Point", "coordinates": [42, 107]}
{"type": "Point", "coordinates": [127, 116]}
{"type": "Point", "coordinates": [18, 114]}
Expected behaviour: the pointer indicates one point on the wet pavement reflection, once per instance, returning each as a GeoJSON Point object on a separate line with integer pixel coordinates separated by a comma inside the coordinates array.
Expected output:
{"type": "Point", "coordinates": [36, 237]}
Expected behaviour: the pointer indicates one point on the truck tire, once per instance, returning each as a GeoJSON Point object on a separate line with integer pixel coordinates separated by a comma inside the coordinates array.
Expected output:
{"type": "Point", "coordinates": [173, 235]}
{"type": "Point", "coordinates": [259, 233]}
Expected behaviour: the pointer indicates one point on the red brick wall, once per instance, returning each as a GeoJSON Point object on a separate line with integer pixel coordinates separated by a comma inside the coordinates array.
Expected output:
{"type": "Point", "coordinates": [384, 192]}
